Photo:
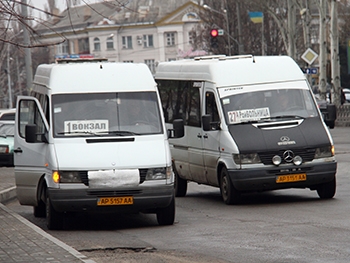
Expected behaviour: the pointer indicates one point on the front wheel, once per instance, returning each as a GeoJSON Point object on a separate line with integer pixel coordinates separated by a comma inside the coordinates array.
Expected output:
{"type": "Point", "coordinates": [54, 219]}
{"type": "Point", "coordinates": [327, 190]}
{"type": "Point", "coordinates": [230, 195]}
{"type": "Point", "coordinates": [166, 216]}
{"type": "Point", "coordinates": [40, 210]}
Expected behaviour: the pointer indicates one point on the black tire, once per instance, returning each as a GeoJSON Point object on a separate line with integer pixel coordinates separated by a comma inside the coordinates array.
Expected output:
{"type": "Point", "coordinates": [54, 219]}
{"type": "Point", "coordinates": [331, 124]}
{"type": "Point", "coordinates": [180, 185]}
{"type": "Point", "coordinates": [327, 190]}
{"type": "Point", "coordinates": [166, 216]}
{"type": "Point", "coordinates": [229, 194]}
{"type": "Point", "coordinates": [40, 210]}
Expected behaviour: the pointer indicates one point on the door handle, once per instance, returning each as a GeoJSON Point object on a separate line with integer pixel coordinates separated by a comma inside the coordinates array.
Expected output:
{"type": "Point", "coordinates": [205, 136]}
{"type": "Point", "coordinates": [199, 135]}
{"type": "Point", "coordinates": [18, 150]}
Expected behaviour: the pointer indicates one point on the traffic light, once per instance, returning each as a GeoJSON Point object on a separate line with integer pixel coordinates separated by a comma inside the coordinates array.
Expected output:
{"type": "Point", "coordinates": [214, 38]}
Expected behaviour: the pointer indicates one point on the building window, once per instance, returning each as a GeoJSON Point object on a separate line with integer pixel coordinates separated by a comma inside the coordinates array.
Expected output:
{"type": "Point", "coordinates": [147, 40]}
{"type": "Point", "coordinates": [97, 44]}
{"type": "Point", "coordinates": [63, 48]}
{"type": "Point", "coordinates": [151, 65]}
{"type": "Point", "coordinates": [128, 61]}
{"type": "Point", "coordinates": [83, 44]}
{"type": "Point", "coordinates": [110, 43]}
{"type": "Point", "coordinates": [191, 37]}
{"type": "Point", "coordinates": [127, 42]}
{"type": "Point", "coordinates": [170, 39]}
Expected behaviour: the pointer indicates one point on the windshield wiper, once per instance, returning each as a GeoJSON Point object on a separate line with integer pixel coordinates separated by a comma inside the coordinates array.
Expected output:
{"type": "Point", "coordinates": [118, 133]}
{"type": "Point", "coordinates": [287, 117]}
{"type": "Point", "coordinates": [78, 133]}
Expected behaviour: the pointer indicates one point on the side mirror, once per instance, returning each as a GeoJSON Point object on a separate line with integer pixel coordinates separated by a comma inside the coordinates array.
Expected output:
{"type": "Point", "coordinates": [206, 122]}
{"type": "Point", "coordinates": [208, 125]}
{"type": "Point", "coordinates": [178, 128]}
{"type": "Point", "coordinates": [30, 133]}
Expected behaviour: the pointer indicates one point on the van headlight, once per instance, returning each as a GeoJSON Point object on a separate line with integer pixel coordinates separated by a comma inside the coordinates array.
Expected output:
{"type": "Point", "coordinates": [246, 158]}
{"type": "Point", "coordinates": [324, 152]}
{"type": "Point", "coordinates": [164, 173]}
{"type": "Point", "coordinates": [66, 177]}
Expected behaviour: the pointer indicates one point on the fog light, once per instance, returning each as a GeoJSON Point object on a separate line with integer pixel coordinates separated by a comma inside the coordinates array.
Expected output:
{"type": "Point", "coordinates": [297, 160]}
{"type": "Point", "coordinates": [276, 160]}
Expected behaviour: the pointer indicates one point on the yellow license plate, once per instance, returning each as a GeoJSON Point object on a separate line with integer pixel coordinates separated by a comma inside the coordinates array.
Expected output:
{"type": "Point", "coordinates": [125, 200]}
{"type": "Point", "coordinates": [290, 178]}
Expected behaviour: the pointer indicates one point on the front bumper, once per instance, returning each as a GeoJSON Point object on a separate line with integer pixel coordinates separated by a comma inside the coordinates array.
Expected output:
{"type": "Point", "coordinates": [264, 179]}
{"type": "Point", "coordinates": [78, 200]}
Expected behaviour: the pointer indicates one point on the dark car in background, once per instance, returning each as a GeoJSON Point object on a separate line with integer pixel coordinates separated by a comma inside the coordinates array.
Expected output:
{"type": "Point", "coordinates": [328, 110]}
{"type": "Point", "coordinates": [347, 95]}
{"type": "Point", "coordinates": [7, 129]}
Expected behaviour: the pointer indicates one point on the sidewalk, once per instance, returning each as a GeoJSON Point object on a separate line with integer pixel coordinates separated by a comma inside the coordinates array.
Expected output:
{"type": "Point", "coordinates": [22, 241]}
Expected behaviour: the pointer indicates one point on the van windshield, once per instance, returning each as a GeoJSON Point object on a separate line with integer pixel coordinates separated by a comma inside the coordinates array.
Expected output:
{"type": "Point", "coordinates": [105, 114]}
{"type": "Point", "coordinates": [269, 105]}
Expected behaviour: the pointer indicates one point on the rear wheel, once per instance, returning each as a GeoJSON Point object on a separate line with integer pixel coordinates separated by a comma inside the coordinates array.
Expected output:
{"type": "Point", "coordinates": [180, 185]}
{"type": "Point", "coordinates": [230, 195]}
{"type": "Point", "coordinates": [54, 219]}
{"type": "Point", "coordinates": [327, 190]}
{"type": "Point", "coordinates": [166, 216]}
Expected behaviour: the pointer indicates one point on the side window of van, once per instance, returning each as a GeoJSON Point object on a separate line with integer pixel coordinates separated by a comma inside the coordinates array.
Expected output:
{"type": "Point", "coordinates": [44, 102]}
{"type": "Point", "coordinates": [181, 100]}
{"type": "Point", "coordinates": [211, 107]}
{"type": "Point", "coordinates": [29, 114]}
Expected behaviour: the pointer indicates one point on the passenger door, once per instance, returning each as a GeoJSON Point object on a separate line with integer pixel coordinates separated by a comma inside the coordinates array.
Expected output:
{"type": "Point", "coordinates": [30, 159]}
{"type": "Point", "coordinates": [211, 139]}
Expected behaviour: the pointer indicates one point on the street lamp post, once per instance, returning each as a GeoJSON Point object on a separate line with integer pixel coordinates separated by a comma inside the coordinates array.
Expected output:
{"type": "Point", "coordinates": [227, 25]}
{"type": "Point", "coordinates": [9, 70]}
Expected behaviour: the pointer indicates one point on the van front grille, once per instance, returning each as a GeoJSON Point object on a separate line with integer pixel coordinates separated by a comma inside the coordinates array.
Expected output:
{"type": "Point", "coordinates": [85, 179]}
{"type": "Point", "coordinates": [306, 154]}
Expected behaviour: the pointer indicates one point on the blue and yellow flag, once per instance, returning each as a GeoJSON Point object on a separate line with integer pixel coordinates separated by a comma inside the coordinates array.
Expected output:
{"type": "Point", "coordinates": [256, 17]}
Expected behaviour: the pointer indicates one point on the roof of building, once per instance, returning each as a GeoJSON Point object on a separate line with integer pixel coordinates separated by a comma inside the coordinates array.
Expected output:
{"type": "Point", "coordinates": [111, 13]}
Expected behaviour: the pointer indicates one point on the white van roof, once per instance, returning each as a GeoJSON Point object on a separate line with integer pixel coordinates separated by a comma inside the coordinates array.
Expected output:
{"type": "Point", "coordinates": [232, 71]}
{"type": "Point", "coordinates": [76, 77]}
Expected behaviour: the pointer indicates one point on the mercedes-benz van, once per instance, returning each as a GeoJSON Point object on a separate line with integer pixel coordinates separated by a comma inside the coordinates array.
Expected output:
{"type": "Point", "coordinates": [251, 124]}
{"type": "Point", "coordinates": [91, 137]}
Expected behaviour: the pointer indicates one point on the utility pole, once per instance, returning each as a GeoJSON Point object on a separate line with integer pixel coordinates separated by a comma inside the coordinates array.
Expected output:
{"type": "Point", "coordinates": [335, 64]}
{"type": "Point", "coordinates": [323, 53]}
{"type": "Point", "coordinates": [291, 29]}
{"type": "Point", "coordinates": [239, 29]}
{"type": "Point", "coordinates": [27, 51]}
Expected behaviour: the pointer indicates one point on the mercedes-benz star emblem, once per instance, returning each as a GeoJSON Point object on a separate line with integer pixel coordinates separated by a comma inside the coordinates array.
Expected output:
{"type": "Point", "coordinates": [288, 156]}
{"type": "Point", "coordinates": [284, 139]}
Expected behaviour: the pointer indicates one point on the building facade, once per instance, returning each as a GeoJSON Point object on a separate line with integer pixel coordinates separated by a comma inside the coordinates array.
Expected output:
{"type": "Point", "coordinates": [144, 31]}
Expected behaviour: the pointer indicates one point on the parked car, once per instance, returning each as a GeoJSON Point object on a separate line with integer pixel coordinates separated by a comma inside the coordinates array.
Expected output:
{"type": "Point", "coordinates": [328, 110]}
{"type": "Point", "coordinates": [6, 142]}
{"type": "Point", "coordinates": [347, 95]}
{"type": "Point", "coordinates": [7, 114]}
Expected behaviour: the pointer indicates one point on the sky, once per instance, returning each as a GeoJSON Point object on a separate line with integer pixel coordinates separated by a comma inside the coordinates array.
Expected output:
{"type": "Point", "coordinates": [61, 4]}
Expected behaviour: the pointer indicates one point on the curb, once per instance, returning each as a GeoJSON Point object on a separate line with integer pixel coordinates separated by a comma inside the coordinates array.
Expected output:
{"type": "Point", "coordinates": [8, 194]}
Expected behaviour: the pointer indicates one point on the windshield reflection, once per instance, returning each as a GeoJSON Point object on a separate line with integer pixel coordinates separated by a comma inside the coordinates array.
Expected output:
{"type": "Point", "coordinates": [268, 105]}
{"type": "Point", "coordinates": [105, 114]}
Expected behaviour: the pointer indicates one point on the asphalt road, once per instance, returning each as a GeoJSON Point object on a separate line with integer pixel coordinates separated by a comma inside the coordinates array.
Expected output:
{"type": "Point", "coordinates": [291, 225]}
